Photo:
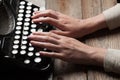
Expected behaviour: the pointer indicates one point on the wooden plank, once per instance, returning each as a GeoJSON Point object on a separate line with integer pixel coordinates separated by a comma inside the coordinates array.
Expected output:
{"type": "Point", "coordinates": [102, 38]}
{"type": "Point", "coordinates": [63, 70]}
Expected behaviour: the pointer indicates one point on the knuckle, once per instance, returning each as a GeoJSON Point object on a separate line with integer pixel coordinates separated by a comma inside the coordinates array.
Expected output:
{"type": "Point", "coordinates": [49, 11]}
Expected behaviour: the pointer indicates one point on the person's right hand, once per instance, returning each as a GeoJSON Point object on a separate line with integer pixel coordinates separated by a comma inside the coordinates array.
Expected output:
{"type": "Point", "coordinates": [68, 26]}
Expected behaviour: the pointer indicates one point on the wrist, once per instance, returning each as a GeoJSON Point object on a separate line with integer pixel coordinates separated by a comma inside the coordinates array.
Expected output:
{"type": "Point", "coordinates": [97, 56]}
{"type": "Point", "coordinates": [96, 23]}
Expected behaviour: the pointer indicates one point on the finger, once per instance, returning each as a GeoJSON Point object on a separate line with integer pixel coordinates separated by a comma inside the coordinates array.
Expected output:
{"type": "Point", "coordinates": [47, 34]}
{"type": "Point", "coordinates": [49, 20]}
{"type": "Point", "coordinates": [40, 38]}
{"type": "Point", "coordinates": [59, 32]}
{"type": "Point", "coordinates": [51, 54]}
{"type": "Point", "coordinates": [49, 46]}
{"type": "Point", "coordinates": [45, 13]}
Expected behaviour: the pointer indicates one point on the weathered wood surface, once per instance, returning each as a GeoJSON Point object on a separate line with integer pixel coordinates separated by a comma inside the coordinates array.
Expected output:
{"type": "Point", "coordinates": [103, 38]}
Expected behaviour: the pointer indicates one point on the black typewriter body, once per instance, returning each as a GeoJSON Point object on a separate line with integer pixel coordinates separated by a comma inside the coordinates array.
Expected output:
{"type": "Point", "coordinates": [17, 56]}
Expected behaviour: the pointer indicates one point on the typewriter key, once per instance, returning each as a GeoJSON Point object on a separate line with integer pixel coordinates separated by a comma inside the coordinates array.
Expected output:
{"type": "Point", "coordinates": [33, 25]}
{"type": "Point", "coordinates": [16, 42]}
{"type": "Point", "coordinates": [20, 15]}
{"type": "Point", "coordinates": [31, 48]}
{"type": "Point", "coordinates": [29, 7]}
{"type": "Point", "coordinates": [21, 11]}
{"type": "Point", "coordinates": [24, 37]}
{"type": "Point", "coordinates": [23, 47]}
{"type": "Point", "coordinates": [40, 30]}
{"type": "Point", "coordinates": [19, 23]}
{"type": "Point", "coordinates": [27, 15]}
{"type": "Point", "coordinates": [27, 19]}
{"type": "Point", "coordinates": [22, 52]}
{"type": "Point", "coordinates": [18, 28]}
{"type": "Point", "coordinates": [27, 61]}
{"type": "Point", "coordinates": [17, 37]}
{"type": "Point", "coordinates": [21, 7]}
{"type": "Point", "coordinates": [20, 18]}
{"type": "Point", "coordinates": [37, 54]}
{"type": "Point", "coordinates": [35, 9]}
{"type": "Point", "coordinates": [33, 30]}
{"type": "Point", "coordinates": [30, 54]}
{"type": "Point", "coordinates": [26, 24]}
{"type": "Point", "coordinates": [37, 60]}
{"type": "Point", "coordinates": [22, 2]}
{"type": "Point", "coordinates": [26, 28]}
{"type": "Point", "coordinates": [25, 32]}
{"type": "Point", "coordinates": [29, 3]}
{"type": "Point", "coordinates": [14, 51]}
{"type": "Point", "coordinates": [28, 11]}
{"type": "Point", "coordinates": [15, 46]}
{"type": "Point", "coordinates": [17, 32]}
{"type": "Point", "coordinates": [24, 42]}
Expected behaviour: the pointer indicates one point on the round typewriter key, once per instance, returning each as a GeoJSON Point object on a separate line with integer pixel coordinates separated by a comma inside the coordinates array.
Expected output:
{"type": "Point", "coordinates": [21, 7]}
{"type": "Point", "coordinates": [20, 19]}
{"type": "Point", "coordinates": [27, 15]}
{"type": "Point", "coordinates": [40, 30]}
{"type": "Point", "coordinates": [27, 61]}
{"type": "Point", "coordinates": [14, 51]}
{"type": "Point", "coordinates": [29, 7]}
{"type": "Point", "coordinates": [27, 19]}
{"type": "Point", "coordinates": [20, 15]}
{"type": "Point", "coordinates": [23, 47]}
{"type": "Point", "coordinates": [26, 28]}
{"type": "Point", "coordinates": [37, 60]}
{"type": "Point", "coordinates": [16, 42]}
{"type": "Point", "coordinates": [24, 42]}
{"type": "Point", "coordinates": [17, 32]}
{"type": "Point", "coordinates": [31, 48]}
{"type": "Point", "coordinates": [25, 32]}
{"type": "Point", "coordinates": [35, 9]}
{"type": "Point", "coordinates": [25, 37]}
{"type": "Point", "coordinates": [22, 2]}
{"type": "Point", "coordinates": [17, 37]}
{"type": "Point", "coordinates": [26, 24]}
{"type": "Point", "coordinates": [29, 3]}
{"type": "Point", "coordinates": [18, 27]}
{"type": "Point", "coordinates": [33, 25]}
{"type": "Point", "coordinates": [28, 11]}
{"type": "Point", "coordinates": [22, 52]}
{"type": "Point", "coordinates": [19, 23]}
{"type": "Point", "coordinates": [30, 44]}
{"type": "Point", "coordinates": [33, 30]}
{"type": "Point", "coordinates": [37, 54]}
{"type": "Point", "coordinates": [15, 46]}
{"type": "Point", "coordinates": [21, 11]}
{"type": "Point", "coordinates": [30, 54]}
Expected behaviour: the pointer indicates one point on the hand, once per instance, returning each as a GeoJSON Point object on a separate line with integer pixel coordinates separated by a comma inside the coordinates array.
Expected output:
{"type": "Point", "coordinates": [69, 26]}
{"type": "Point", "coordinates": [66, 48]}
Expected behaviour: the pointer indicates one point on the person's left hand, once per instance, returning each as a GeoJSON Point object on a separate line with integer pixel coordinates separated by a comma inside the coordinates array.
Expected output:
{"type": "Point", "coordinates": [65, 48]}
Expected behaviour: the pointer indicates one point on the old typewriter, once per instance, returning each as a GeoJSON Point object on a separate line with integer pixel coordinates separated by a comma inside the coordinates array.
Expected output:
{"type": "Point", "coordinates": [18, 58]}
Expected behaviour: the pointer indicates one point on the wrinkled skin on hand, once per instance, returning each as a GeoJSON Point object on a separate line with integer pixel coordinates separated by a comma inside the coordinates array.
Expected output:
{"type": "Point", "coordinates": [65, 48]}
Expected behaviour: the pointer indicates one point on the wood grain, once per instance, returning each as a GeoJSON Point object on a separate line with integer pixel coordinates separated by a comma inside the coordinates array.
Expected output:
{"type": "Point", "coordinates": [63, 70]}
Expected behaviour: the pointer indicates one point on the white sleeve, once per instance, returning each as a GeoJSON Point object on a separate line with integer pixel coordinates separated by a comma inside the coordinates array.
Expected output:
{"type": "Point", "coordinates": [112, 61]}
{"type": "Point", "coordinates": [112, 16]}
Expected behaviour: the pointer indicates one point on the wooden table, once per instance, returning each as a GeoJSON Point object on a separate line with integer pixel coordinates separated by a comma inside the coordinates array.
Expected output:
{"type": "Point", "coordinates": [104, 38]}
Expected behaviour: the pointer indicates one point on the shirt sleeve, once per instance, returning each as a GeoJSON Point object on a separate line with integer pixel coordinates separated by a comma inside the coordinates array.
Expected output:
{"type": "Point", "coordinates": [112, 61]}
{"type": "Point", "coordinates": [112, 16]}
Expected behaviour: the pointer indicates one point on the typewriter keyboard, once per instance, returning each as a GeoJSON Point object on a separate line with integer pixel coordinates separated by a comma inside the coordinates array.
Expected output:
{"type": "Point", "coordinates": [22, 50]}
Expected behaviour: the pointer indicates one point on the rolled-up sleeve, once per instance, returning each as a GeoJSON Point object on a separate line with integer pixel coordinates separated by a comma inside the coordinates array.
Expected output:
{"type": "Point", "coordinates": [112, 61]}
{"type": "Point", "coordinates": [112, 16]}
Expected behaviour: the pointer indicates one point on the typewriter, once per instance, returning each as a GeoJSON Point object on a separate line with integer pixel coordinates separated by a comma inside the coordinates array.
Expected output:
{"type": "Point", "coordinates": [18, 58]}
